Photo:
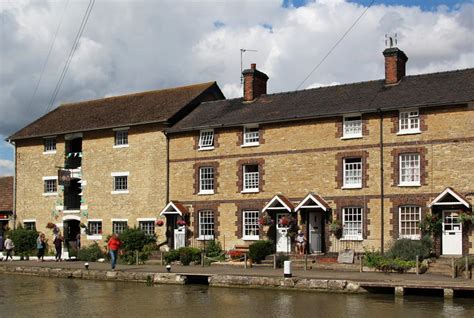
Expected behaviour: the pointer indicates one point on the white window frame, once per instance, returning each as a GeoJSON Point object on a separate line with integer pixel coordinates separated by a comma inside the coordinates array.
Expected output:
{"type": "Point", "coordinates": [150, 220]}
{"type": "Point", "coordinates": [119, 174]}
{"type": "Point", "coordinates": [345, 126]}
{"type": "Point", "coordinates": [247, 179]}
{"type": "Point", "coordinates": [29, 221]}
{"type": "Point", "coordinates": [414, 212]}
{"type": "Point", "coordinates": [50, 178]}
{"type": "Point", "coordinates": [206, 181]}
{"type": "Point", "coordinates": [118, 142]}
{"type": "Point", "coordinates": [95, 236]}
{"type": "Point", "coordinates": [346, 224]}
{"type": "Point", "coordinates": [47, 148]}
{"type": "Point", "coordinates": [206, 142]}
{"type": "Point", "coordinates": [401, 162]}
{"type": "Point", "coordinates": [346, 173]}
{"type": "Point", "coordinates": [205, 226]}
{"type": "Point", "coordinates": [250, 225]}
{"type": "Point", "coordinates": [410, 117]}
{"type": "Point", "coordinates": [119, 221]}
{"type": "Point", "coordinates": [248, 136]}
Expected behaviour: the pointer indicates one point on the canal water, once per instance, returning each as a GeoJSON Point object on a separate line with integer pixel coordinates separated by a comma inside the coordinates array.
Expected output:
{"type": "Point", "coordinates": [27, 296]}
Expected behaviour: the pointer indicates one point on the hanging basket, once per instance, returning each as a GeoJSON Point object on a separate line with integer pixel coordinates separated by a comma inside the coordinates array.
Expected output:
{"type": "Point", "coordinates": [159, 223]}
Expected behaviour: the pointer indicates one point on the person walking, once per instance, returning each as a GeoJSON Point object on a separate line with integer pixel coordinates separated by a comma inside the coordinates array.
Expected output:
{"type": "Point", "coordinates": [9, 246]}
{"type": "Point", "coordinates": [58, 245]}
{"type": "Point", "coordinates": [113, 247]}
{"type": "Point", "coordinates": [41, 246]}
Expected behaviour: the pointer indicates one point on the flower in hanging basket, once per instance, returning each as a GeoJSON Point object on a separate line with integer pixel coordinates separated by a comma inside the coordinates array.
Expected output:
{"type": "Point", "coordinates": [265, 220]}
{"type": "Point", "coordinates": [181, 222]}
{"type": "Point", "coordinates": [50, 226]}
{"type": "Point", "coordinates": [284, 221]}
{"type": "Point", "coordinates": [160, 222]}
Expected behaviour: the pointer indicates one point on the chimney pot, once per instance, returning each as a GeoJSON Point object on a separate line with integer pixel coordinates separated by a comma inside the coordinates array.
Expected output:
{"type": "Point", "coordinates": [395, 65]}
{"type": "Point", "coordinates": [255, 83]}
{"type": "Point", "coordinates": [253, 66]}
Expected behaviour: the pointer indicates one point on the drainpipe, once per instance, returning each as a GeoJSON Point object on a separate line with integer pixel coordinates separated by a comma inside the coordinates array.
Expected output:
{"type": "Point", "coordinates": [381, 185]}
{"type": "Point", "coordinates": [167, 168]}
{"type": "Point", "coordinates": [14, 185]}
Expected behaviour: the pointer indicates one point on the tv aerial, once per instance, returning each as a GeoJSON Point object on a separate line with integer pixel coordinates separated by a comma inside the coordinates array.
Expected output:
{"type": "Point", "coordinates": [242, 51]}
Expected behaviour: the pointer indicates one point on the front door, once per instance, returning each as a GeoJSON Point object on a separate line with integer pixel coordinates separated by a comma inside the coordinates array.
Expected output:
{"type": "Point", "coordinates": [452, 233]}
{"type": "Point", "coordinates": [179, 237]}
{"type": "Point", "coordinates": [315, 232]}
{"type": "Point", "coordinates": [282, 239]}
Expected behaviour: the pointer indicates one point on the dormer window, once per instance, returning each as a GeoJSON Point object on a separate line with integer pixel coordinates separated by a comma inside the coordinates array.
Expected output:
{"type": "Point", "coordinates": [251, 136]}
{"type": "Point", "coordinates": [206, 139]}
{"type": "Point", "coordinates": [352, 127]}
{"type": "Point", "coordinates": [409, 122]}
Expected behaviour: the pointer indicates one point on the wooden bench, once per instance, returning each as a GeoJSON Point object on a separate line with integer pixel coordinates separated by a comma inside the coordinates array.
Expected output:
{"type": "Point", "coordinates": [242, 248]}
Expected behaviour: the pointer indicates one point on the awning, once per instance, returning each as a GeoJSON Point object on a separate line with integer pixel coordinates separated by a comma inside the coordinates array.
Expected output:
{"type": "Point", "coordinates": [312, 201]}
{"type": "Point", "coordinates": [450, 197]}
{"type": "Point", "coordinates": [174, 207]}
{"type": "Point", "coordinates": [279, 203]}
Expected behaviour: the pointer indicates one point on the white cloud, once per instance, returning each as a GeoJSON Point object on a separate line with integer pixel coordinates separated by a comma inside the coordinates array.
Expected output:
{"type": "Point", "coordinates": [134, 46]}
{"type": "Point", "coordinates": [6, 167]}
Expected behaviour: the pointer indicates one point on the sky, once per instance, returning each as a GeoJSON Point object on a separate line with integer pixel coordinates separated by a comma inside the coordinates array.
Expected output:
{"type": "Point", "coordinates": [132, 46]}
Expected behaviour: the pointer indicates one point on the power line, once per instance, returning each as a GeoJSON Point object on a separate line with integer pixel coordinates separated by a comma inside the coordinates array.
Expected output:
{"type": "Point", "coordinates": [48, 55]}
{"type": "Point", "coordinates": [336, 44]}
{"type": "Point", "coordinates": [56, 90]}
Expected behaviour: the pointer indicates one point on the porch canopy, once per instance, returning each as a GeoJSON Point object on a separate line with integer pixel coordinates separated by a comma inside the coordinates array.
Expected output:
{"type": "Point", "coordinates": [174, 207]}
{"type": "Point", "coordinates": [450, 197]}
{"type": "Point", "coordinates": [311, 201]}
{"type": "Point", "coordinates": [279, 203]}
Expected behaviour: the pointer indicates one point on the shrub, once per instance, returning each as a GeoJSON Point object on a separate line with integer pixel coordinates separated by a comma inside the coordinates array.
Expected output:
{"type": "Point", "coordinates": [280, 259]}
{"type": "Point", "coordinates": [24, 240]}
{"type": "Point", "coordinates": [376, 260]}
{"type": "Point", "coordinates": [188, 255]}
{"type": "Point", "coordinates": [407, 250]}
{"type": "Point", "coordinates": [91, 253]}
{"type": "Point", "coordinates": [260, 249]}
{"type": "Point", "coordinates": [213, 249]}
{"type": "Point", "coordinates": [133, 240]}
{"type": "Point", "coordinates": [171, 256]}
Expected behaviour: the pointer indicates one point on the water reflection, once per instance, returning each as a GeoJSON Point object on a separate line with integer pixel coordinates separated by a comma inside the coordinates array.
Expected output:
{"type": "Point", "coordinates": [25, 296]}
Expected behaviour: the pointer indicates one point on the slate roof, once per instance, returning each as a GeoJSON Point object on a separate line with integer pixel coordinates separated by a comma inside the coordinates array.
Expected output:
{"type": "Point", "coordinates": [6, 194]}
{"type": "Point", "coordinates": [119, 111]}
{"type": "Point", "coordinates": [413, 91]}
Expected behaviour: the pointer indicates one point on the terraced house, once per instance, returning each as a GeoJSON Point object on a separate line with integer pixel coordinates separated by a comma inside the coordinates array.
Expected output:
{"type": "Point", "coordinates": [102, 163]}
{"type": "Point", "coordinates": [373, 157]}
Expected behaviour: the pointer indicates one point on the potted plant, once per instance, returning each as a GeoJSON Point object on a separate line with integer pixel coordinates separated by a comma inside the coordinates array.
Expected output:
{"type": "Point", "coordinates": [335, 227]}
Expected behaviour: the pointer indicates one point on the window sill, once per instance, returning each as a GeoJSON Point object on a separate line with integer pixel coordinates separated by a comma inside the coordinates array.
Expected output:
{"type": "Point", "coordinates": [351, 137]}
{"type": "Point", "coordinates": [50, 194]}
{"type": "Point", "coordinates": [415, 238]}
{"type": "Point", "coordinates": [256, 144]}
{"type": "Point", "coordinates": [210, 238]}
{"type": "Point", "coordinates": [205, 192]}
{"type": "Point", "coordinates": [119, 192]}
{"type": "Point", "coordinates": [250, 191]}
{"type": "Point", "coordinates": [351, 187]}
{"type": "Point", "coordinates": [94, 237]}
{"type": "Point", "coordinates": [251, 238]}
{"type": "Point", "coordinates": [52, 152]}
{"type": "Point", "coordinates": [206, 148]}
{"type": "Point", "coordinates": [120, 146]}
{"type": "Point", "coordinates": [408, 132]}
{"type": "Point", "coordinates": [352, 239]}
{"type": "Point", "coordinates": [409, 185]}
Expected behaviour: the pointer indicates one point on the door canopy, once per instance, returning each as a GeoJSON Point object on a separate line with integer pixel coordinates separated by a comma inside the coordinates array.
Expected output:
{"type": "Point", "coordinates": [312, 201]}
{"type": "Point", "coordinates": [450, 197]}
{"type": "Point", "coordinates": [279, 203]}
{"type": "Point", "coordinates": [174, 208]}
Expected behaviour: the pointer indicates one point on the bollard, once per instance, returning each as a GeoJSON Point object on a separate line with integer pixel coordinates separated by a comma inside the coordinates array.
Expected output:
{"type": "Point", "coordinates": [466, 267]}
{"type": "Point", "coordinates": [161, 258]}
{"type": "Point", "coordinates": [453, 268]}
{"type": "Point", "coordinates": [245, 260]}
{"type": "Point", "coordinates": [417, 265]}
{"type": "Point", "coordinates": [202, 258]}
{"type": "Point", "coordinates": [136, 255]}
{"type": "Point", "coordinates": [287, 269]}
{"type": "Point", "coordinates": [361, 269]}
{"type": "Point", "coordinates": [274, 261]}
{"type": "Point", "coordinates": [305, 262]}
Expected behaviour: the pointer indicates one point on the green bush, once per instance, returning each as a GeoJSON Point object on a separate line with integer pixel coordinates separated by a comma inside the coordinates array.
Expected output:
{"type": "Point", "coordinates": [91, 253]}
{"type": "Point", "coordinates": [188, 255]}
{"type": "Point", "coordinates": [171, 256]}
{"type": "Point", "coordinates": [280, 259]}
{"type": "Point", "coordinates": [260, 249]}
{"type": "Point", "coordinates": [407, 250]}
{"type": "Point", "coordinates": [213, 249]}
{"type": "Point", "coordinates": [24, 240]}
{"type": "Point", "coordinates": [376, 260]}
{"type": "Point", "coordinates": [133, 240]}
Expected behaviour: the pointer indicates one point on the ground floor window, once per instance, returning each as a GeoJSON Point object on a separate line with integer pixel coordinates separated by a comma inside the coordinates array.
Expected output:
{"type": "Point", "coordinates": [206, 225]}
{"type": "Point", "coordinates": [29, 225]}
{"type": "Point", "coordinates": [94, 227]}
{"type": "Point", "coordinates": [250, 229]}
{"type": "Point", "coordinates": [409, 218]}
{"type": "Point", "coordinates": [147, 226]}
{"type": "Point", "coordinates": [118, 226]}
{"type": "Point", "coordinates": [352, 223]}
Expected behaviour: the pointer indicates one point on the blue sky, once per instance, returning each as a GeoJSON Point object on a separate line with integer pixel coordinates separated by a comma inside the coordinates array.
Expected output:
{"type": "Point", "coordinates": [423, 4]}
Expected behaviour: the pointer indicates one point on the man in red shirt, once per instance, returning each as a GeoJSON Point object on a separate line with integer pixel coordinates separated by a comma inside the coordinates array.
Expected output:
{"type": "Point", "coordinates": [112, 248]}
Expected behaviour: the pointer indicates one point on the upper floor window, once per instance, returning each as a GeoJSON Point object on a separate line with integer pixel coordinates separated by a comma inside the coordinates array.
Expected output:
{"type": "Point", "coordinates": [147, 226]}
{"type": "Point", "coordinates": [206, 180]}
{"type": "Point", "coordinates": [118, 226]}
{"type": "Point", "coordinates": [352, 127]}
{"type": "Point", "coordinates": [206, 139]}
{"type": "Point", "coordinates": [352, 173]}
{"type": "Point", "coordinates": [250, 228]}
{"type": "Point", "coordinates": [409, 222]}
{"type": "Point", "coordinates": [410, 169]}
{"type": "Point", "coordinates": [121, 138]}
{"type": "Point", "coordinates": [409, 122]}
{"type": "Point", "coordinates": [50, 145]}
{"type": "Point", "coordinates": [352, 223]}
{"type": "Point", "coordinates": [206, 225]}
{"type": "Point", "coordinates": [120, 184]}
{"type": "Point", "coordinates": [251, 178]}
{"type": "Point", "coordinates": [94, 227]}
{"type": "Point", "coordinates": [251, 136]}
{"type": "Point", "coordinates": [50, 185]}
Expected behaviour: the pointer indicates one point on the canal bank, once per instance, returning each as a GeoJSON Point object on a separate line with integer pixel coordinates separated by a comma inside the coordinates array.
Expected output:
{"type": "Point", "coordinates": [315, 280]}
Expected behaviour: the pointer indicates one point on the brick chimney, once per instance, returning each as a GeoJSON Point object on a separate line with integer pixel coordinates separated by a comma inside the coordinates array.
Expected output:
{"type": "Point", "coordinates": [255, 83]}
{"type": "Point", "coordinates": [395, 61]}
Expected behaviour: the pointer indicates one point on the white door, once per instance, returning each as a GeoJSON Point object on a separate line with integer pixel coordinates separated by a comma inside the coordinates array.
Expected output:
{"type": "Point", "coordinates": [282, 240]}
{"type": "Point", "coordinates": [315, 241]}
{"type": "Point", "coordinates": [179, 237]}
{"type": "Point", "coordinates": [452, 233]}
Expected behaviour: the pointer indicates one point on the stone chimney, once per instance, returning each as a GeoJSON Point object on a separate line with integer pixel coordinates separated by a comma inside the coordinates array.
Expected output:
{"type": "Point", "coordinates": [255, 83]}
{"type": "Point", "coordinates": [395, 61]}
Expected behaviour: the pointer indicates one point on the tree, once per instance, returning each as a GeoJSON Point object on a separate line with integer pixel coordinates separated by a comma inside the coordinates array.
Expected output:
{"type": "Point", "coordinates": [24, 240]}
